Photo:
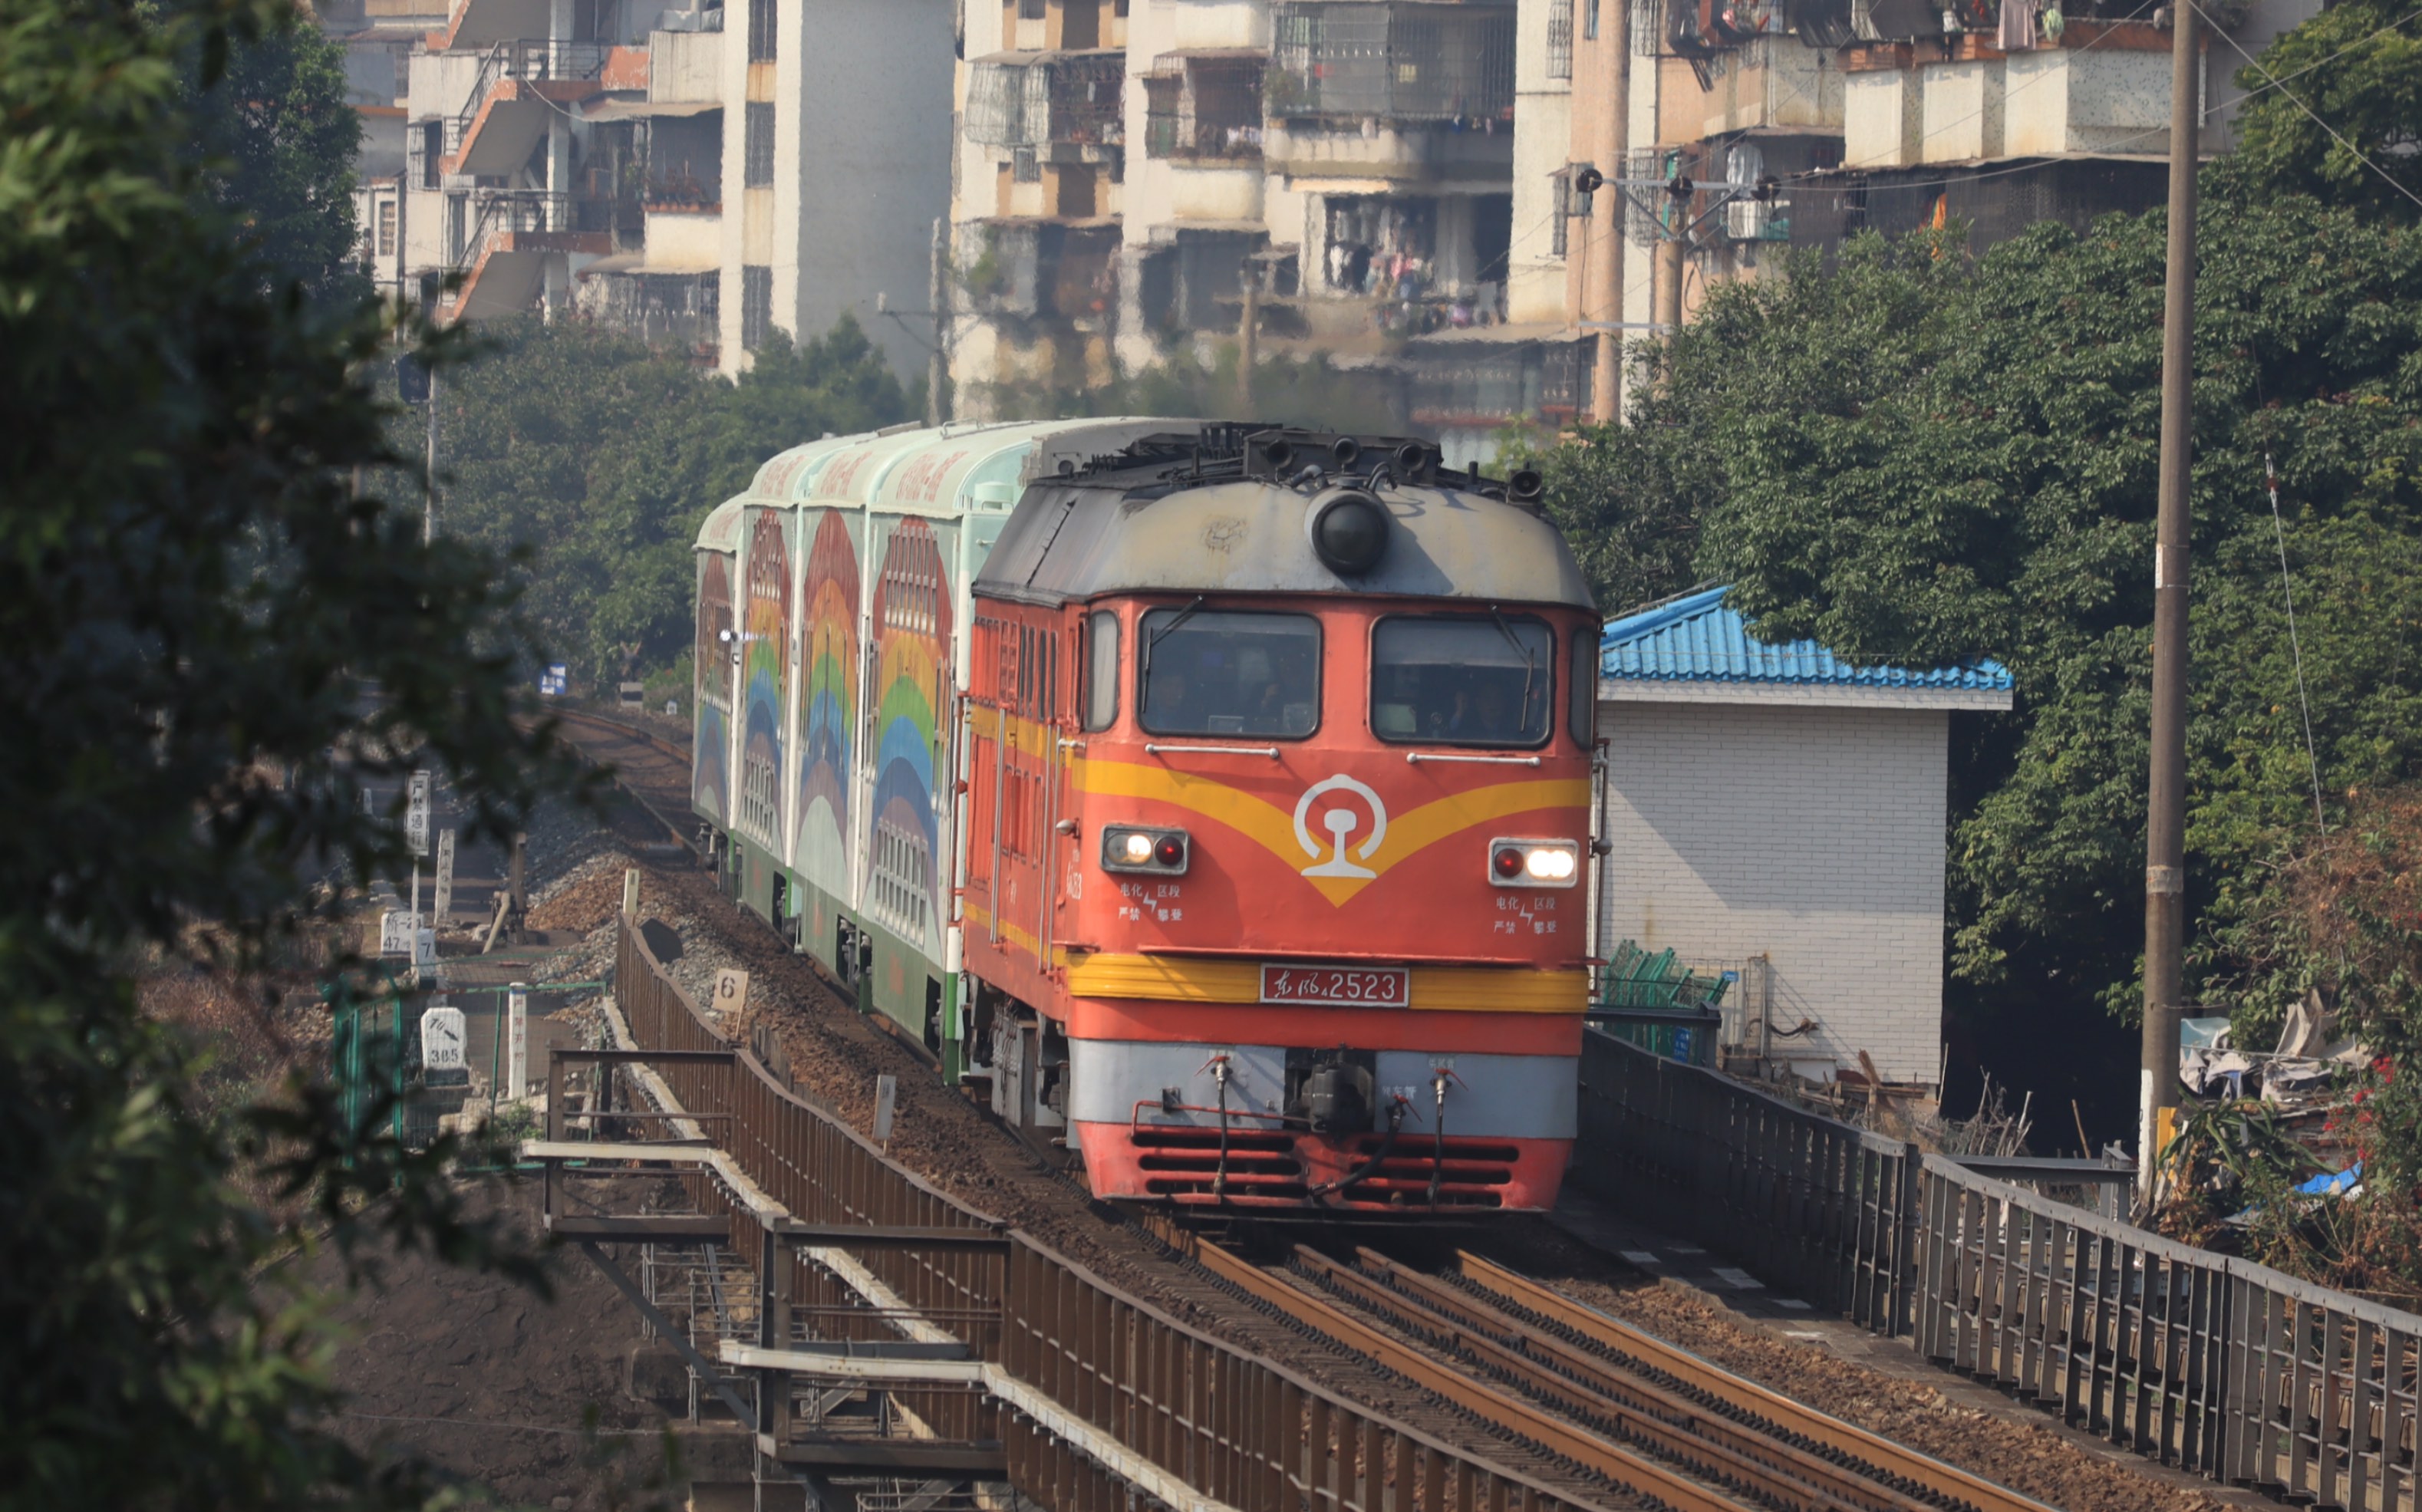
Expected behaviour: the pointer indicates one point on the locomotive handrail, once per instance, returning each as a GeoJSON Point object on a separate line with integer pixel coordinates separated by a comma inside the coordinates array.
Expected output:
{"type": "Point", "coordinates": [1151, 750]}
{"type": "Point", "coordinates": [1417, 757]}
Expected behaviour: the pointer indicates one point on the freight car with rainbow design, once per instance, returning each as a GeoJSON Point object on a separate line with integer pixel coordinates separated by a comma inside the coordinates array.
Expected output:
{"type": "Point", "coordinates": [1216, 798]}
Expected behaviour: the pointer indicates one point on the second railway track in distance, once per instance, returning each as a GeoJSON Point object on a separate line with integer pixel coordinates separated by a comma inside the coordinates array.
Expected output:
{"type": "Point", "coordinates": [652, 770]}
{"type": "Point", "coordinates": [1646, 1414]}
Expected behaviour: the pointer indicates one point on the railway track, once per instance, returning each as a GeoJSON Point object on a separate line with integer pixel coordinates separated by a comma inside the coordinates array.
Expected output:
{"type": "Point", "coordinates": [1606, 1415]}
{"type": "Point", "coordinates": [653, 772]}
{"type": "Point", "coordinates": [1601, 1395]}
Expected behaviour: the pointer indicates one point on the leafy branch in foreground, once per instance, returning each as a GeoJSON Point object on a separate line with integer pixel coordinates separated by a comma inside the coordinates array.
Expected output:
{"type": "Point", "coordinates": [194, 614]}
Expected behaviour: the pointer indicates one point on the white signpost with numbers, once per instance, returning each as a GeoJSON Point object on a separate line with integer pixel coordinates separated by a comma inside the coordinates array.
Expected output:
{"type": "Point", "coordinates": [887, 1098]}
{"type": "Point", "coordinates": [516, 1041]}
{"type": "Point", "coordinates": [415, 831]}
{"type": "Point", "coordinates": [441, 1039]}
{"type": "Point", "coordinates": [731, 994]}
{"type": "Point", "coordinates": [442, 902]}
{"type": "Point", "coordinates": [399, 929]}
{"type": "Point", "coordinates": [415, 814]}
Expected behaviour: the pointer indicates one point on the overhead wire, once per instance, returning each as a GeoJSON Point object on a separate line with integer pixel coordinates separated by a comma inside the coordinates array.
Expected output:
{"type": "Point", "coordinates": [1798, 177]}
{"type": "Point", "coordinates": [2295, 645]}
{"type": "Point", "coordinates": [2295, 99]}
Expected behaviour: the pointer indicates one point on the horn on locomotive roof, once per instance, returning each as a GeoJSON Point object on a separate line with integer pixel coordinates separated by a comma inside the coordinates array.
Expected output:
{"type": "Point", "coordinates": [1348, 529]}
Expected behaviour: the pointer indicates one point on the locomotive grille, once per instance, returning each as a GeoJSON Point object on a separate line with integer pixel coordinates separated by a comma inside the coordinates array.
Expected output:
{"type": "Point", "coordinates": [1262, 1163]}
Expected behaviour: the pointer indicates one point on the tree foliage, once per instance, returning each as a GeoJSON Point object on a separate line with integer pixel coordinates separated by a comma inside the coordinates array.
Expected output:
{"type": "Point", "coordinates": [601, 458]}
{"type": "Point", "coordinates": [280, 140]}
{"type": "Point", "coordinates": [2358, 65]}
{"type": "Point", "coordinates": [1922, 458]}
{"type": "Point", "coordinates": [191, 608]}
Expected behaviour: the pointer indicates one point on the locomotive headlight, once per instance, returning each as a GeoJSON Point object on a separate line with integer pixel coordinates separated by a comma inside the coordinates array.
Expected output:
{"type": "Point", "coordinates": [1133, 848]}
{"type": "Point", "coordinates": [1517, 862]}
{"type": "Point", "coordinates": [1548, 864]}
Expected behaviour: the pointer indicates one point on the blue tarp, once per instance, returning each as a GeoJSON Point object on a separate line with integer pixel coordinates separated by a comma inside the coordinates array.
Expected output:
{"type": "Point", "coordinates": [2332, 1183]}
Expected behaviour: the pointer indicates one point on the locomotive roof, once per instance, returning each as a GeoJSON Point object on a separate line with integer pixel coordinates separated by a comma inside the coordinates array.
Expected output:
{"type": "Point", "coordinates": [1083, 537]}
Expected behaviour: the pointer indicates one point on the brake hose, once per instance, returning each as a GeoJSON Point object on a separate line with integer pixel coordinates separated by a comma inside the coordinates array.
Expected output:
{"type": "Point", "coordinates": [1387, 1145]}
{"type": "Point", "coordinates": [1438, 1140]}
{"type": "Point", "coordinates": [1219, 1173]}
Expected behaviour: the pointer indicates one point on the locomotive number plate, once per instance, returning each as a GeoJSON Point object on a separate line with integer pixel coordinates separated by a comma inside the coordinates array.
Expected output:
{"type": "Point", "coordinates": [1338, 987]}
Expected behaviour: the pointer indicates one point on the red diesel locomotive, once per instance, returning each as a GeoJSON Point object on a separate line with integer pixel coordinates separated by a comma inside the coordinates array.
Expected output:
{"type": "Point", "coordinates": [1275, 757]}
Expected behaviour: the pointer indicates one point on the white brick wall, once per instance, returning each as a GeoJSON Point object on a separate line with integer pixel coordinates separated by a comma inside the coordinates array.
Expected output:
{"type": "Point", "coordinates": [1812, 835]}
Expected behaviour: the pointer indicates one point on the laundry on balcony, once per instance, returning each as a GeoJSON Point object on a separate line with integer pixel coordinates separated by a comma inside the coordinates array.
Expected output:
{"type": "Point", "coordinates": [1205, 104]}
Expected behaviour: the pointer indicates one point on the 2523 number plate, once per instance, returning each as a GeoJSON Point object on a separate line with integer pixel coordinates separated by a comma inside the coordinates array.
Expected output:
{"type": "Point", "coordinates": [1338, 987]}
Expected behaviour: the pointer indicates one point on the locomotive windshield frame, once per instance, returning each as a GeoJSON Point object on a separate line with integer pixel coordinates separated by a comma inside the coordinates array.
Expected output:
{"type": "Point", "coordinates": [1232, 673]}
{"type": "Point", "coordinates": [1468, 707]}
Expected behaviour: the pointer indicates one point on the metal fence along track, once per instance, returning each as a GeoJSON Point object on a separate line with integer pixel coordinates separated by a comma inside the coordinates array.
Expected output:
{"type": "Point", "coordinates": [1091, 1394]}
{"type": "Point", "coordinates": [2230, 1369]}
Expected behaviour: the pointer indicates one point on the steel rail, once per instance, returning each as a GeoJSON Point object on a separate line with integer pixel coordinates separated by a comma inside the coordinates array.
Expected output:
{"type": "Point", "coordinates": [1644, 1350]}
{"type": "Point", "coordinates": [1633, 1471]}
{"type": "Point", "coordinates": [616, 729]}
{"type": "Point", "coordinates": [1547, 1368]}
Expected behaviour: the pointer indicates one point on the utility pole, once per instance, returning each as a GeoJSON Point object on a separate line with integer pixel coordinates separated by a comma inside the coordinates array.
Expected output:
{"type": "Point", "coordinates": [938, 364]}
{"type": "Point", "coordinates": [1669, 269]}
{"type": "Point", "coordinates": [429, 516]}
{"type": "Point", "coordinates": [1612, 144]}
{"type": "Point", "coordinates": [1248, 334]}
{"type": "Point", "coordinates": [2165, 907]}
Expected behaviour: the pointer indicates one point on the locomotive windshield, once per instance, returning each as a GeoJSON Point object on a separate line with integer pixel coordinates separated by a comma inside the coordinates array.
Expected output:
{"type": "Point", "coordinates": [1462, 682]}
{"type": "Point", "coordinates": [1220, 672]}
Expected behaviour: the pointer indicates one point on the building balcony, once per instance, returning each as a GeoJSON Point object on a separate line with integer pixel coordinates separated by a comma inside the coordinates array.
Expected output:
{"type": "Point", "coordinates": [1039, 270]}
{"type": "Point", "coordinates": [521, 86]}
{"type": "Point", "coordinates": [473, 24]}
{"type": "Point", "coordinates": [1047, 102]}
{"type": "Point", "coordinates": [1768, 83]}
{"type": "Point", "coordinates": [1399, 63]}
{"type": "Point", "coordinates": [1205, 107]}
{"type": "Point", "coordinates": [2101, 88]}
{"type": "Point", "coordinates": [1405, 151]}
{"type": "Point", "coordinates": [505, 251]}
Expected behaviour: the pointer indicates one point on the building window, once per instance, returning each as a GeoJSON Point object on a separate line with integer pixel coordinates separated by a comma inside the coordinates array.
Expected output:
{"type": "Point", "coordinates": [387, 228]}
{"type": "Point", "coordinates": [756, 306]}
{"type": "Point", "coordinates": [1560, 190]}
{"type": "Point", "coordinates": [758, 159]}
{"type": "Point", "coordinates": [1588, 20]}
{"type": "Point", "coordinates": [432, 149]}
{"type": "Point", "coordinates": [1559, 38]}
{"type": "Point", "coordinates": [1025, 167]}
{"type": "Point", "coordinates": [762, 18]}
{"type": "Point", "coordinates": [1030, 9]}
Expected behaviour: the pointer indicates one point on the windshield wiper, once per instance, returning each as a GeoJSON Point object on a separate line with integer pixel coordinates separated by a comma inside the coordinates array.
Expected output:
{"type": "Point", "coordinates": [1156, 638]}
{"type": "Point", "coordinates": [1530, 665]}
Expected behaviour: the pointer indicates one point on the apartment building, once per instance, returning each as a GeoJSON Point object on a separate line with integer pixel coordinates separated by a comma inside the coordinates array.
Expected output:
{"type": "Point", "coordinates": [571, 158]}
{"type": "Point", "coordinates": [1131, 175]}
{"type": "Point", "coordinates": [1803, 122]}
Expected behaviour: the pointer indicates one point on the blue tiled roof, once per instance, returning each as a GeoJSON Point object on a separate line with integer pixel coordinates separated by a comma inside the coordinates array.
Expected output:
{"type": "Point", "coordinates": [1696, 639]}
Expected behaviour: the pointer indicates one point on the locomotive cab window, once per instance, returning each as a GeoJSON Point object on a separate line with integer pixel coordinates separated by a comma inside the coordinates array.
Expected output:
{"type": "Point", "coordinates": [1462, 681]}
{"type": "Point", "coordinates": [1102, 671]}
{"type": "Point", "coordinates": [1229, 672]}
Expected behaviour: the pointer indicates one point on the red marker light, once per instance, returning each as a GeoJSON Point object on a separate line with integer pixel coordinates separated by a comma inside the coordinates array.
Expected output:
{"type": "Point", "coordinates": [1508, 861]}
{"type": "Point", "coordinates": [1171, 851]}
